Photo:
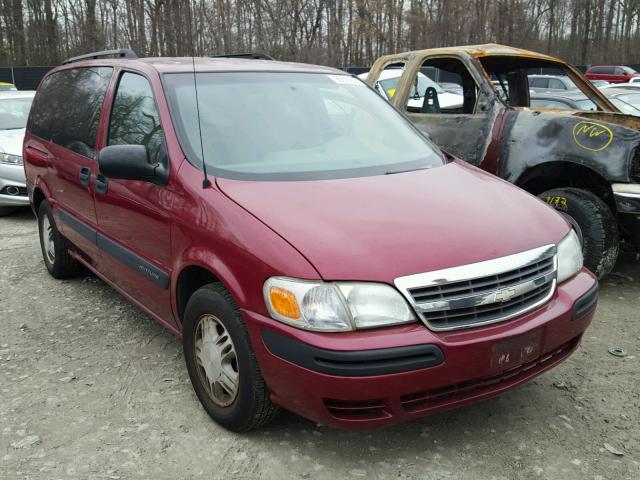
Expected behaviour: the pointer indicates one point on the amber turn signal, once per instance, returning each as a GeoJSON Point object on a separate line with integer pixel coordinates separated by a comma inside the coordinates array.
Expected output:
{"type": "Point", "coordinates": [284, 303]}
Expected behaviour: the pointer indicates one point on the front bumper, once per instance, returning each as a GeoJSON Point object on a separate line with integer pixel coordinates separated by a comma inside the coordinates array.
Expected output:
{"type": "Point", "coordinates": [13, 191]}
{"type": "Point", "coordinates": [627, 196]}
{"type": "Point", "coordinates": [335, 379]}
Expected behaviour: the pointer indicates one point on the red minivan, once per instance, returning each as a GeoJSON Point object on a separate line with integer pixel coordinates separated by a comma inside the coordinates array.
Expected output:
{"type": "Point", "coordinates": [612, 74]}
{"type": "Point", "coordinates": [312, 248]}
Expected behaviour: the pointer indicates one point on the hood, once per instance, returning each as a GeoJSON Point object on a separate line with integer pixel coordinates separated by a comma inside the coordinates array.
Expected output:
{"type": "Point", "coordinates": [11, 141]}
{"type": "Point", "coordinates": [383, 227]}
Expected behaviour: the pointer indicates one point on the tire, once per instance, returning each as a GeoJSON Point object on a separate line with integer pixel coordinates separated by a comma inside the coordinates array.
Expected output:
{"type": "Point", "coordinates": [601, 238]}
{"type": "Point", "coordinates": [4, 211]}
{"type": "Point", "coordinates": [212, 314]}
{"type": "Point", "coordinates": [54, 249]}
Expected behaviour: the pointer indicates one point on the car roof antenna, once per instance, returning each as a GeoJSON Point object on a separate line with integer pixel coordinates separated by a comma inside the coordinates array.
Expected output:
{"type": "Point", "coordinates": [205, 181]}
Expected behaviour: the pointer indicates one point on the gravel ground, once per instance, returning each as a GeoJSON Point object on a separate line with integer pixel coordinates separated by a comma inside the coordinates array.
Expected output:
{"type": "Point", "coordinates": [92, 388]}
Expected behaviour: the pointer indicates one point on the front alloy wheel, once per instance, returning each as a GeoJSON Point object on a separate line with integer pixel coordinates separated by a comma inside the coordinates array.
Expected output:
{"type": "Point", "coordinates": [215, 356]}
{"type": "Point", "coordinates": [221, 362]}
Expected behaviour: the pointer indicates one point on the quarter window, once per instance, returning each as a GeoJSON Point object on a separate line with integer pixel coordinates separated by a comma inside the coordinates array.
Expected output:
{"type": "Point", "coordinates": [135, 119]}
{"type": "Point", "coordinates": [67, 107]}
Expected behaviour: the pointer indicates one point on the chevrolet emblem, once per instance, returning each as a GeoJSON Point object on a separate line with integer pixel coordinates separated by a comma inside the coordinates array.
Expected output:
{"type": "Point", "coordinates": [505, 294]}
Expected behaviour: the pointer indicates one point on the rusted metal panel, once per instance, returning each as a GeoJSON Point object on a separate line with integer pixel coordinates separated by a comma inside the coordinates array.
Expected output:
{"type": "Point", "coordinates": [509, 141]}
{"type": "Point", "coordinates": [534, 137]}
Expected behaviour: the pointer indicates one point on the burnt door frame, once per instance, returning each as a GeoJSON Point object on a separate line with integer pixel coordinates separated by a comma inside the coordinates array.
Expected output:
{"type": "Point", "coordinates": [465, 135]}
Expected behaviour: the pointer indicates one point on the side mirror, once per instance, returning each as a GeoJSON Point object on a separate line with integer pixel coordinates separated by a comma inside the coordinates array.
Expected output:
{"type": "Point", "coordinates": [130, 162]}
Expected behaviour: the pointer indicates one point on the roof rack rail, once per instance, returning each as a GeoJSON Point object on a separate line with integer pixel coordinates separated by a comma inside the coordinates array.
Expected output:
{"type": "Point", "coordinates": [248, 55]}
{"type": "Point", "coordinates": [120, 53]}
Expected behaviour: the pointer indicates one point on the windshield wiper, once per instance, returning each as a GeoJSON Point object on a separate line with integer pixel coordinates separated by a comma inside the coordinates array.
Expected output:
{"type": "Point", "coordinates": [405, 171]}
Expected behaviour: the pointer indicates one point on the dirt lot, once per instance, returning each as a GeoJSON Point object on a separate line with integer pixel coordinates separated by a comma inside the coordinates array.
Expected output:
{"type": "Point", "coordinates": [92, 388]}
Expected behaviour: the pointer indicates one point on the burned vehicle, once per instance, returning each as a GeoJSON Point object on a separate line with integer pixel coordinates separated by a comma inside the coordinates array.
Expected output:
{"type": "Point", "coordinates": [583, 163]}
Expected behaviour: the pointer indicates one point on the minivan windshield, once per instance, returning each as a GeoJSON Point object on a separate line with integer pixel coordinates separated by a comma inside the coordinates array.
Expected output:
{"type": "Point", "coordinates": [293, 126]}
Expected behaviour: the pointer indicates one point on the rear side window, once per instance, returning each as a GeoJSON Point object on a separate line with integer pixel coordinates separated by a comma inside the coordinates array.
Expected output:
{"type": "Point", "coordinates": [67, 108]}
{"type": "Point", "coordinates": [135, 119]}
{"type": "Point", "coordinates": [537, 82]}
{"type": "Point", "coordinates": [556, 84]}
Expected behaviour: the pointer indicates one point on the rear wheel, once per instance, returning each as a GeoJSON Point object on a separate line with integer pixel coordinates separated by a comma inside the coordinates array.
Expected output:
{"type": "Point", "coordinates": [54, 249]}
{"type": "Point", "coordinates": [601, 238]}
{"type": "Point", "coordinates": [221, 363]}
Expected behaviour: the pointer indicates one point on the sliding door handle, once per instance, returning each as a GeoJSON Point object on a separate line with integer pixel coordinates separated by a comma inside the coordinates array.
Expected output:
{"type": "Point", "coordinates": [102, 184]}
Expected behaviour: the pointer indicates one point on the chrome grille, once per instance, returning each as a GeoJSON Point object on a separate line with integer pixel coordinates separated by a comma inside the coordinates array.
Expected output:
{"type": "Point", "coordinates": [481, 285]}
{"type": "Point", "coordinates": [484, 292]}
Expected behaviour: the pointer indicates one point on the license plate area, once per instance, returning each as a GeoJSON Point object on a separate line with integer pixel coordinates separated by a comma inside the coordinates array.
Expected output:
{"type": "Point", "coordinates": [512, 353]}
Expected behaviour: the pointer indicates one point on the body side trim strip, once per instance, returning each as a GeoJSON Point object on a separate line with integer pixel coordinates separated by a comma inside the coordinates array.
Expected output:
{"type": "Point", "coordinates": [133, 260]}
{"type": "Point", "coordinates": [78, 225]}
{"type": "Point", "coordinates": [117, 251]}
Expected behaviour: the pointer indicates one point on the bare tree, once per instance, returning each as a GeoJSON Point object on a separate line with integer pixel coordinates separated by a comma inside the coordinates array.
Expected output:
{"type": "Point", "coordinates": [335, 32]}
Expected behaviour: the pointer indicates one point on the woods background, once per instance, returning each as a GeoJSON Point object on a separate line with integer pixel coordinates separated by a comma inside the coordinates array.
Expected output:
{"type": "Point", "coordinates": [332, 32]}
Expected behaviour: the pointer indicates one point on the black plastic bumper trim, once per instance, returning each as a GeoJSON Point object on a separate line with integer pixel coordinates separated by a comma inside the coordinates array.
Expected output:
{"type": "Point", "coordinates": [627, 203]}
{"type": "Point", "coordinates": [585, 303]}
{"type": "Point", "coordinates": [358, 363]}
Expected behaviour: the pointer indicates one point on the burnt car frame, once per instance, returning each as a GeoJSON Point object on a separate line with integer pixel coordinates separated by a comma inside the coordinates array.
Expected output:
{"type": "Point", "coordinates": [584, 163]}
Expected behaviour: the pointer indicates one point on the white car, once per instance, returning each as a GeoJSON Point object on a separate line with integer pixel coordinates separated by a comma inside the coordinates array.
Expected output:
{"type": "Point", "coordinates": [388, 81]}
{"type": "Point", "coordinates": [627, 86]}
{"type": "Point", "coordinates": [14, 111]}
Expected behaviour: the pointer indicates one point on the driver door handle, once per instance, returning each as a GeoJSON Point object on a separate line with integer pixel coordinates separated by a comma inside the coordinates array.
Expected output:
{"type": "Point", "coordinates": [85, 176]}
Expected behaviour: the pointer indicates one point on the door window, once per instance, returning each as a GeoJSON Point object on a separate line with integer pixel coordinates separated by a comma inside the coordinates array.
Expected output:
{"type": "Point", "coordinates": [428, 94]}
{"type": "Point", "coordinates": [67, 107]}
{"type": "Point", "coordinates": [388, 80]}
{"type": "Point", "coordinates": [537, 82]}
{"type": "Point", "coordinates": [135, 119]}
{"type": "Point", "coordinates": [556, 84]}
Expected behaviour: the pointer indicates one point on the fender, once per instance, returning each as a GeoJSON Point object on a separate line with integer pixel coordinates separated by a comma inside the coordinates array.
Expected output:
{"type": "Point", "coordinates": [203, 258]}
{"type": "Point", "coordinates": [232, 255]}
{"type": "Point", "coordinates": [532, 138]}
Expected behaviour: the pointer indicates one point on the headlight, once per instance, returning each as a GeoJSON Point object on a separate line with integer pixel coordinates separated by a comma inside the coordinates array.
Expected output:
{"type": "Point", "coordinates": [10, 159]}
{"type": "Point", "coordinates": [569, 256]}
{"type": "Point", "coordinates": [335, 307]}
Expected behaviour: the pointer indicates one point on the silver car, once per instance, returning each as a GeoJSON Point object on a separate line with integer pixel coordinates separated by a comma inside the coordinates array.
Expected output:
{"type": "Point", "coordinates": [14, 111]}
{"type": "Point", "coordinates": [546, 83]}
